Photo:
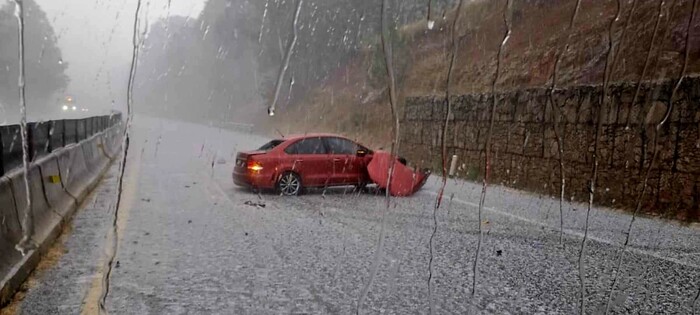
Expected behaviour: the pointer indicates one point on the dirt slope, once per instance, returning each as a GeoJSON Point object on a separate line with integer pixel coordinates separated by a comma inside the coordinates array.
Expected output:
{"type": "Point", "coordinates": [354, 100]}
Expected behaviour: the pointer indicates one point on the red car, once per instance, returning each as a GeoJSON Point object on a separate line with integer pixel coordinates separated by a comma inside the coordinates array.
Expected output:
{"type": "Point", "coordinates": [296, 162]}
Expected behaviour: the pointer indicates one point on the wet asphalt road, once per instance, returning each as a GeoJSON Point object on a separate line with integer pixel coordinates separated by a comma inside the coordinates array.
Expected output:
{"type": "Point", "coordinates": [190, 245]}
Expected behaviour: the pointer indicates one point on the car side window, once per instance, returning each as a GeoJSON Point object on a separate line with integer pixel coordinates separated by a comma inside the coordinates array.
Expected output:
{"type": "Point", "coordinates": [307, 146]}
{"type": "Point", "coordinates": [341, 146]}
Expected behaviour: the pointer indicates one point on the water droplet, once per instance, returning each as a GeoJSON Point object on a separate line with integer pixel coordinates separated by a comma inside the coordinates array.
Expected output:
{"type": "Point", "coordinates": [271, 111]}
{"type": "Point", "coordinates": [206, 31]}
{"type": "Point", "coordinates": [60, 61]}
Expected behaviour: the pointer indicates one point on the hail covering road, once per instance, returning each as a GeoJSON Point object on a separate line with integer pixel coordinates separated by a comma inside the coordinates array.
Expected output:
{"type": "Point", "coordinates": [190, 244]}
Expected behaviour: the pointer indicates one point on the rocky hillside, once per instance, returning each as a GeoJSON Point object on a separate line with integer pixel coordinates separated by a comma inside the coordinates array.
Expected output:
{"type": "Point", "coordinates": [648, 44]}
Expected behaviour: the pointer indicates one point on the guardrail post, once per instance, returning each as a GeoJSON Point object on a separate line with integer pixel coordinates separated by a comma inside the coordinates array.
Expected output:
{"type": "Point", "coordinates": [49, 147]}
{"type": "Point", "coordinates": [63, 133]}
{"type": "Point", "coordinates": [2, 156]}
{"type": "Point", "coordinates": [30, 141]}
{"type": "Point", "coordinates": [75, 136]}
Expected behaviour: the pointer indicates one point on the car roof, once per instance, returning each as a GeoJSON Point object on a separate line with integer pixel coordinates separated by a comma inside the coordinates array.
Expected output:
{"type": "Point", "coordinates": [311, 135]}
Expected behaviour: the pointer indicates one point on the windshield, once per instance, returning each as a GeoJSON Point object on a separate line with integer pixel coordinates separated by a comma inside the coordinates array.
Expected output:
{"type": "Point", "coordinates": [443, 156]}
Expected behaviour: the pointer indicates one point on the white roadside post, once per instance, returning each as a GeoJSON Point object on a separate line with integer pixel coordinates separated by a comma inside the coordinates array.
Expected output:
{"type": "Point", "coordinates": [453, 166]}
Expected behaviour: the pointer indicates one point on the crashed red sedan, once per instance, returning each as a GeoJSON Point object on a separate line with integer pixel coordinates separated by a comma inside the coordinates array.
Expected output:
{"type": "Point", "coordinates": [322, 160]}
{"type": "Point", "coordinates": [296, 162]}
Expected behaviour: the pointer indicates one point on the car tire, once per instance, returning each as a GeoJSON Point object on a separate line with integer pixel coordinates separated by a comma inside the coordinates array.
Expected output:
{"type": "Point", "coordinates": [290, 184]}
{"type": "Point", "coordinates": [361, 187]}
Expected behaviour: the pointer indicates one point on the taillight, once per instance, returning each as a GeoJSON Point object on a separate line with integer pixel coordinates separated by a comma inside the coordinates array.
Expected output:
{"type": "Point", "coordinates": [255, 166]}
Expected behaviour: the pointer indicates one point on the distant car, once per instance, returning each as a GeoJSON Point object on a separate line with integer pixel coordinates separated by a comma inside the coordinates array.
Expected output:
{"type": "Point", "coordinates": [296, 162]}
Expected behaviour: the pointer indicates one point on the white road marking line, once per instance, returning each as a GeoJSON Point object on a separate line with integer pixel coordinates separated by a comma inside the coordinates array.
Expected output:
{"type": "Point", "coordinates": [575, 233]}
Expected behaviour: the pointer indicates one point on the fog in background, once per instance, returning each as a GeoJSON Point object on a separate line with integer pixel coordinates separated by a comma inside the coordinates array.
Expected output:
{"type": "Point", "coordinates": [77, 54]}
{"type": "Point", "coordinates": [211, 62]}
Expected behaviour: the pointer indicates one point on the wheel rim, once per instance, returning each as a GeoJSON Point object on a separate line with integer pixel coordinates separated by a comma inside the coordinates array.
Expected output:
{"type": "Point", "coordinates": [289, 184]}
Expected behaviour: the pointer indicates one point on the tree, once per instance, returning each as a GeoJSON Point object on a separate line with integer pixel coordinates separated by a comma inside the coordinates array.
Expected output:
{"type": "Point", "coordinates": [224, 65]}
{"type": "Point", "coordinates": [330, 33]}
{"type": "Point", "coordinates": [187, 73]}
{"type": "Point", "coordinates": [44, 68]}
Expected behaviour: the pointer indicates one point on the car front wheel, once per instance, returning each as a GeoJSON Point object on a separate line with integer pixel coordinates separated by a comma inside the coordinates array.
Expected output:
{"type": "Point", "coordinates": [289, 184]}
{"type": "Point", "coordinates": [361, 187]}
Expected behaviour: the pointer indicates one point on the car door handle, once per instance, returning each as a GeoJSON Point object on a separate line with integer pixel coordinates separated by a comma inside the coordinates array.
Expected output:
{"type": "Point", "coordinates": [336, 160]}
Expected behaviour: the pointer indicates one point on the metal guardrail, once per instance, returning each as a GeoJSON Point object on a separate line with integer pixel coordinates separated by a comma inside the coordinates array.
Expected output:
{"type": "Point", "coordinates": [35, 203]}
{"type": "Point", "coordinates": [45, 137]}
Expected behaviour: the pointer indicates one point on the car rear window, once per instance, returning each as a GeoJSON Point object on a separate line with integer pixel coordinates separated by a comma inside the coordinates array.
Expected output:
{"type": "Point", "coordinates": [270, 145]}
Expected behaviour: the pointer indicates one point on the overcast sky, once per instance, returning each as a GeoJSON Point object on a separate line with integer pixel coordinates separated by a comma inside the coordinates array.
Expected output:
{"type": "Point", "coordinates": [95, 38]}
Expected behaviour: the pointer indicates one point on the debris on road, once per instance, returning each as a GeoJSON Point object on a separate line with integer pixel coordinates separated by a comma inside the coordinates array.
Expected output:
{"type": "Point", "coordinates": [258, 204]}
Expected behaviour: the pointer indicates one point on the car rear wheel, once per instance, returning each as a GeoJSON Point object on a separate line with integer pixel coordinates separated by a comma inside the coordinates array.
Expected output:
{"type": "Point", "coordinates": [289, 184]}
{"type": "Point", "coordinates": [361, 187]}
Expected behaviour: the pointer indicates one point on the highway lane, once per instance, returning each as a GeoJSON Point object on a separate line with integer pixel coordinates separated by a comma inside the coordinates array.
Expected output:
{"type": "Point", "coordinates": [190, 244]}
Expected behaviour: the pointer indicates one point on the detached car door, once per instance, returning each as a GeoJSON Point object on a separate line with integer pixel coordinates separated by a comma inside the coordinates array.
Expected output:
{"type": "Point", "coordinates": [311, 161]}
